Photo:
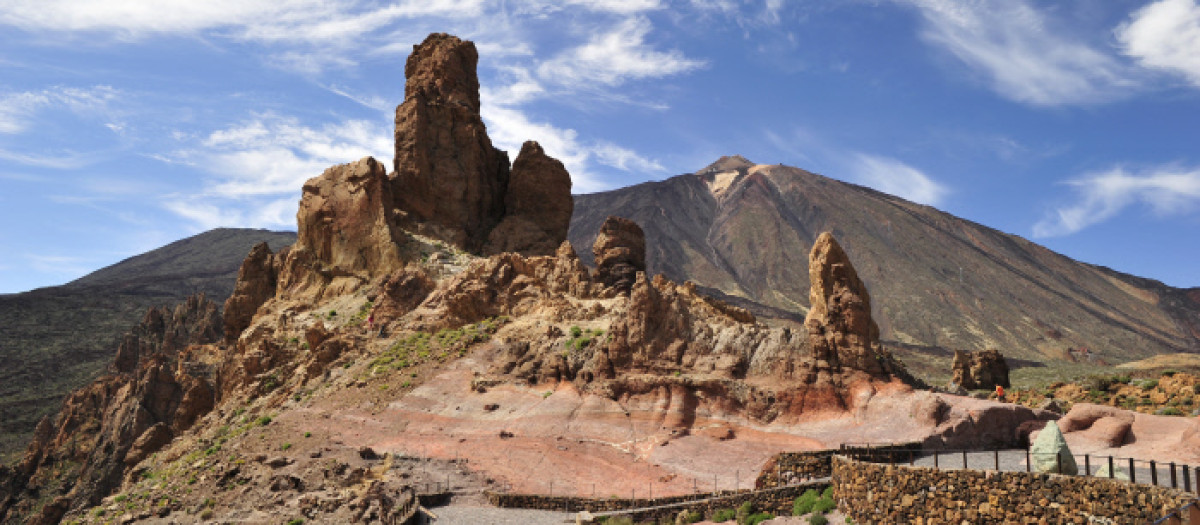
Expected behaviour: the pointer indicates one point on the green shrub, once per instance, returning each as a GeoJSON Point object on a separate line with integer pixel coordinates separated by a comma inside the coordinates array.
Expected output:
{"type": "Point", "coordinates": [755, 519]}
{"type": "Point", "coordinates": [744, 511]}
{"type": "Point", "coordinates": [828, 492]}
{"type": "Point", "coordinates": [804, 504]}
{"type": "Point", "coordinates": [724, 515]}
{"type": "Point", "coordinates": [691, 516]}
{"type": "Point", "coordinates": [1169, 411]}
{"type": "Point", "coordinates": [297, 521]}
{"type": "Point", "coordinates": [824, 505]}
{"type": "Point", "coordinates": [264, 421]}
{"type": "Point", "coordinates": [1169, 373]}
{"type": "Point", "coordinates": [818, 519]}
{"type": "Point", "coordinates": [285, 446]}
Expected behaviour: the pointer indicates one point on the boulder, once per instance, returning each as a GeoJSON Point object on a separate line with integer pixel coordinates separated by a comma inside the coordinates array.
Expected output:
{"type": "Point", "coordinates": [537, 206]}
{"type": "Point", "coordinates": [980, 370]}
{"type": "Point", "coordinates": [1108, 426]}
{"type": "Point", "coordinates": [840, 328]}
{"type": "Point", "coordinates": [1050, 453]}
{"type": "Point", "coordinates": [620, 252]}
{"type": "Point", "coordinates": [449, 181]}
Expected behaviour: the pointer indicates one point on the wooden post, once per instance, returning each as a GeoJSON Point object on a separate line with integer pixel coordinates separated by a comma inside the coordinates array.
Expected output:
{"type": "Point", "coordinates": [1153, 473]}
{"type": "Point", "coordinates": [1087, 464]}
{"type": "Point", "coordinates": [1187, 479]}
{"type": "Point", "coordinates": [1058, 461]}
{"type": "Point", "coordinates": [996, 456]}
{"type": "Point", "coordinates": [964, 452]}
{"type": "Point", "coordinates": [935, 459]}
{"type": "Point", "coordinates": [1132, 472]}
{"type": "Point", "coordinates": [1112, 471]}
{"type": "Point", "coordinates": [1174, 482]}
{"type": "Point", "coordinates": [1028, 462]}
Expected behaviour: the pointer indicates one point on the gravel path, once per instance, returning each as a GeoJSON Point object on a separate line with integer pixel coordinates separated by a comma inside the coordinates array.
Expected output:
{"type": "Point", "coordinates": [496, 516]}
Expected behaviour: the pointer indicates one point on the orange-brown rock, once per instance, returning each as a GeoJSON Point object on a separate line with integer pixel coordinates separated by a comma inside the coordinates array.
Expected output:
{"type": "Point", "coordinates": [979, 370]}
{"type": "Point", "coordinates": [537, 206]}
{"type": "Point", "coordinates": [105, 427]}
{"type": "Point", "coordinates": [345, 220]}
{"type": "Point", "coordinates": [400, 293]}
{"type": "Point", "coordinates": [255, 284]}
{"type": "Point", "coordinates": [1106, 425]}
{"type": "Point", "coordinates": [620, 251]}
{"type": "Point", "coordinates": [449, 181]}
{"type": "Point", "coordinates": [840, 328]}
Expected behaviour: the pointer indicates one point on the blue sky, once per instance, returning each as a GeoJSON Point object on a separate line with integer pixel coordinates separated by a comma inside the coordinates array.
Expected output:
{"type": "Point", "coordinates": [127, 124]}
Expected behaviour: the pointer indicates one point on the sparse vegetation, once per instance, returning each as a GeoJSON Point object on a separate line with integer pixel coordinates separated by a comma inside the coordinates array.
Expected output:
{"type": "Point", "coordinates": [723, 515]}
{"type": "Point", "coordinates": [418, 347]}
{"type": "Point", "coordinates": [818, 519]}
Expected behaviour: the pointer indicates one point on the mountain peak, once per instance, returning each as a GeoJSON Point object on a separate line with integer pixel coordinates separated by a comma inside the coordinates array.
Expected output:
{"type": "Point", "coordinates": [727, 163]}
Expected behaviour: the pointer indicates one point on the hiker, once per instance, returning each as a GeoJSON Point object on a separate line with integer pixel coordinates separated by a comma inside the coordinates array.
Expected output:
{"type": "Point", "coordinates": [371, 322]}
{"type": "Point", "coordinates": [1000, 393]}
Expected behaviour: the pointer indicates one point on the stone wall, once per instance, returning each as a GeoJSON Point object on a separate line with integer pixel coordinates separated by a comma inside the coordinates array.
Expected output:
{"type": "Point", "coordinates": [879, 493]}
{"type": "Point", "coordinates": [777, 501]}
{"type": "Point", "coordinates": [789, 468]}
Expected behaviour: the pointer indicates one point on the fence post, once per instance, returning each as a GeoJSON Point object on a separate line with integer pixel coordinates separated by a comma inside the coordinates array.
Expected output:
{"type": "Point", "coordinates": [1132, 472]}
{"type": "Point", "coordinates": [1174, 483]}
{"type": "Point", "coordinates": [1153, 473]}
{"type": "Point", "coordinates": [1087, 464]}
{"type": "Point", "coordinates": [935, 459]}
{"type": "Point", "coordinates": [1111, 470]}
{"type": "Point", "coordinates": [1193, 512]}
{"type": "Point", "coordinates": [1028, 462]}
{"type": "Point", "coordinates": [1058, 461]}
{"type": "Point", "coordinates": [1187, 479]}
{"type": "Point", "coordinates": [996, 456]}
{"type": "Point", "coordinates": [964, 452]}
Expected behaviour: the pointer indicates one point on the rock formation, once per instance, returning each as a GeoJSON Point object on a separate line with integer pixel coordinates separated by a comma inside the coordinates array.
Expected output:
{"type": "Point", "coordinates": [840, 328]}
{"type": "Point", "coordinates": [537, 206]}
{"type": "Point", "coordinates": [449, 179]}
{"type": "Point", "coordinates": [620, 253]}
{"type": "Point", "coordinates": [107, 426]}
{"type": "Point", "coordinates": [979, 370]}
{"type": "Point", "coordinates": [1049, 452]}
{"type": "Point", "coordinates": [255, 284]}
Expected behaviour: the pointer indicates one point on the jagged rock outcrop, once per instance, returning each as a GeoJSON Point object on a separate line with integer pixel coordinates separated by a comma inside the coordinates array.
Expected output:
{"type": "Point", "coordinates": [537, 205]}
{"type": "Point", "coordinates": [108, 425]}
{"type": "Point", "coordinates": [255, 284]}
{"type": "Point", "coordinates": [840, 328]}
{"type": "Point", "coordinates": [449, 181]}
{"type": "Point", "coordinates": [168, 331]}
{"type": "Point", "coordinates": [620, 253]}
{"type": "Point", "coordinates": [979, 370]}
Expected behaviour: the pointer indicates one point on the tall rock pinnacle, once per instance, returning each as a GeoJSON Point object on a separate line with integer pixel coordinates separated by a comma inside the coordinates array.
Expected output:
{"type": "Point", "coordinates": [839, 324]}
{"type": "Point", "coordinates": [449, 181]}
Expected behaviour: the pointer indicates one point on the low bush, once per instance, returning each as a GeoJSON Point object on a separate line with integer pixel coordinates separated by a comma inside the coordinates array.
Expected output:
{"type": "Point", "coordinates": [755, 519]}
{"type": "Point", "coordinates": [723, 515]}
{"type": "Point", "coordinates": [804, 504]}
{"type": "Point", "coordinates": [818, 519]}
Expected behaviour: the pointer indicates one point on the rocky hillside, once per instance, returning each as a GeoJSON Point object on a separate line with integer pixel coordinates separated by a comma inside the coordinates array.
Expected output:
{"type": "Point", "coordinates": [741, 230]}
{"type": "Point", "coordinates": [59, 338]}
{"type": "Point", "coordinates": [392, 326]}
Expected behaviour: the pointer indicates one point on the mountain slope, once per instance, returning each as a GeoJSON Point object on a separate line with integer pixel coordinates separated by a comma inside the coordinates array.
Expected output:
{"type": "Point", "coordinates": [938, 282]}
{"type": "Point", "coordinates": [58, 338]}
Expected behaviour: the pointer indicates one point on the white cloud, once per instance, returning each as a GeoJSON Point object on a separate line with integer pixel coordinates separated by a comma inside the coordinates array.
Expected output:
{"type": "Point", "coordinates": [18, 111]}
{"type": "Point", "coordinates": [897, 178]}
{"type": "Point", "coordinates": [1165, 190]}
{"type": "Point", "coordinates": [625, 159]}
{"type": "Point", "coordinates": [1024, 59]}
{"type": "Point", "coordinates": [1165, 35]}
{"type": "Point", "coordinates": [614, 57]}
{"type": "Point", "coordinates": [257, 167]}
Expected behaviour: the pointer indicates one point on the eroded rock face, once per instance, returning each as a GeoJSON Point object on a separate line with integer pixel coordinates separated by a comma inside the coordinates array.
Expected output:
{"type": "Point", "coordinates": [344, 219]}
{"type": "Point", "coordinates": [537, 206]}
{"type": "Point", "coordinates": [255, 284]}
{"type": "Point", "coordinates": [620, 251]}
{"type": "Point", "coordinates": [840, 328]}
{"type": "Point", "coordinates": [449, 181]}
{"type": "Point", "coordinates": [980, 370]}
{"type": "Point", "coordinates": [105, 427]}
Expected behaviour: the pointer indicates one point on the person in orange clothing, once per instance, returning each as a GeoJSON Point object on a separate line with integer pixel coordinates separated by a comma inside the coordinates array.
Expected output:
{"type": "Point", "coordinates": [1000, 393]}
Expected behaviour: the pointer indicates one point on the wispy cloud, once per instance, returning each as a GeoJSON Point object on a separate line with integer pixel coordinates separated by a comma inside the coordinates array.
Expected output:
{"type": "Point", "coordinates": [1166, 191]}
{"type": "Point", "coordinates": [614, 57]}
{"type": "Point", "coordinates": [1023, 54]}
{"type": "Point", "coordinates": [897, 178]}
{"type": "Point", "coordinates": [1165, 35]}
{"type": "Point", "coordinates": [253, 165]}
{"type": "Point", "coordinates": [18, 111]}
